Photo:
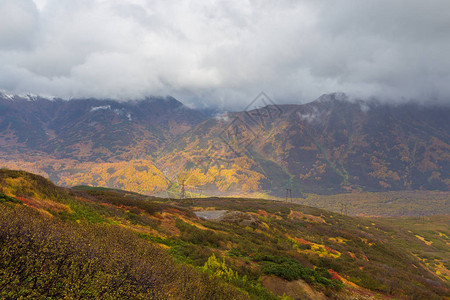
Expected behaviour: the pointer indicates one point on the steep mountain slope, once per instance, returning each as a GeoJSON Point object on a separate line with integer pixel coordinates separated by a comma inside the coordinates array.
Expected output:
{"type": "Point", "coordinates": [90, 129]}
{"type": "Point", "coordinates": [330, 145]}
{"type": "Point", "coordinates": [343, 145]}
{"type": "Point", "coordinates": [256, 246]}
{"type": "Point", "coordinates": [325, 146]}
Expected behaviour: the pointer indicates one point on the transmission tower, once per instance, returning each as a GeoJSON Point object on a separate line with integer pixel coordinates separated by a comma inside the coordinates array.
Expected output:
{"type": "Point", "coordinates": [288, 194]}
{"type": "Point", "coordinates": [183, 190]}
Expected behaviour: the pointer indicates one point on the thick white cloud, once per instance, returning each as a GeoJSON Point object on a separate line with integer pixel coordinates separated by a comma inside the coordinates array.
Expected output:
{"type": "Point", "coordinates": [18, 24]}
{"type": "Point", "coordinates": [223, 53]}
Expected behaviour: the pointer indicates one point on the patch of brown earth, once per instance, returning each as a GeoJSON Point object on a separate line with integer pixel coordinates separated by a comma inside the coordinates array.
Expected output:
{"type": "Point", "coordinates": [297, 289]}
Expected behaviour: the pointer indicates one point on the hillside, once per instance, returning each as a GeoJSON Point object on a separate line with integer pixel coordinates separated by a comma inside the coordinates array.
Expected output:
{"type": "Point", "coordinates": [331, 145]}
{"type": "Point", "coordinates": [327, 146]}
{"type": "Point", "coordinates": [97, 242]}
{"type": "Point", "coordinates": [55, 246]}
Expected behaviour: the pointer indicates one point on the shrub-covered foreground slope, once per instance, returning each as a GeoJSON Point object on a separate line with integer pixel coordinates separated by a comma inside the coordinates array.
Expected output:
{"type": "Point", "coordinates": [102, 243]}
{"type": "Point", "coordinates": [42, 257]}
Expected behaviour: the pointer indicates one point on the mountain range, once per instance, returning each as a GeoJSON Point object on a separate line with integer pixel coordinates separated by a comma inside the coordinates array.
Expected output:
{"type": "Point", "coordinates": [331, 145]}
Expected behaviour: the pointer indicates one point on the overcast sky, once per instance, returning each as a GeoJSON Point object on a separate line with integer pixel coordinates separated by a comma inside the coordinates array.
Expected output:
{"type": "Point", "coordinates": [223, 53]}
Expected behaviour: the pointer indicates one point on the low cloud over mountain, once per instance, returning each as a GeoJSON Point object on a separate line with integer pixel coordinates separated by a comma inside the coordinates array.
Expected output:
{"type": "Point", "coordinates": [222, 53]}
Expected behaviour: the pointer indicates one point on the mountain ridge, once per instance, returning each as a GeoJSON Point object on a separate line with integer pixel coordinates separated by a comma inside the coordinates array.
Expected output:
{"type": "Point", "coordinates": [326, 146]}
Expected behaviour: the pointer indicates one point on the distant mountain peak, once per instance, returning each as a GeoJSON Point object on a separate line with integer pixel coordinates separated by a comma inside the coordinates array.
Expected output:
{"type": "Point", "coordinates": [333, 97]}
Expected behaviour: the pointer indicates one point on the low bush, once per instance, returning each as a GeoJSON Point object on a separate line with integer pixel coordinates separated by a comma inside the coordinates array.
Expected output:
{"type": "Point", "coordinates": [192, 234]}
{"type": "Point", "coordinates": [218, 267]}
{"type": "Point", "coordinates": [292, 269]}
{"type": "Point", "coordinates": [4, 198]}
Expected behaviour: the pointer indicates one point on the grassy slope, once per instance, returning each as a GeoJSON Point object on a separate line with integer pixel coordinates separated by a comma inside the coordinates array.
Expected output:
{"type": "Point", "coordinates": [425, 237]}
{"type": "Point", "coordinates": [372, 257]}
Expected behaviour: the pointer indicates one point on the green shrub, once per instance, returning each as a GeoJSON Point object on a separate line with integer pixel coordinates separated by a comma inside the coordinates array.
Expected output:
{"type": "Point", "coordinates": [4, 198]}
{"type": "Point", "coordinates": [219, 268]}
{"type": "Point", "coordinates": [193, 254]}
{"type": "Point", "coordinates": [192, 234]}
{"type": "Point", "coordinates": [292, 269]}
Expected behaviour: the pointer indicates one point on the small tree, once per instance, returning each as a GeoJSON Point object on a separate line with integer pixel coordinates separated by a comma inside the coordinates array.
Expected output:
{"type": "Point", "coordinates": [220, 269]}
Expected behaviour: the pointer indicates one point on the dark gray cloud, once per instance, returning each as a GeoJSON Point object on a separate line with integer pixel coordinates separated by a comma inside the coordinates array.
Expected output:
{"type": "Point", "coordinates": [223, 53]}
